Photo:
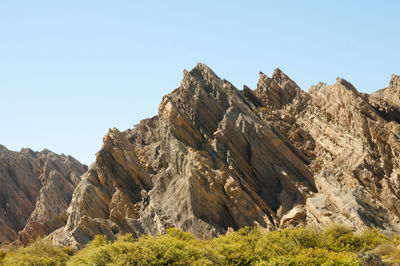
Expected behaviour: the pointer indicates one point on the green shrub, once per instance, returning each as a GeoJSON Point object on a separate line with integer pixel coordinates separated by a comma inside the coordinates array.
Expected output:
{"type": "Point", "coordinates": [371, 238]}
{"type": "Point", "coordinates": [39, 253]}
{"type": "Point", "coordinates": [342, 238]}
{"type": "Point", "coordinates": [300, 246]}
{"type": "Point", "coordinates": [2, 256]}
{"type": "Point", "coordinates": [315, 256]}
{"type": "Point", "coordinates": [337, 245]}
{"type": "Point", "coordinates": [237, 248]}
{"type": "Point", "coordinates": [174, 248]}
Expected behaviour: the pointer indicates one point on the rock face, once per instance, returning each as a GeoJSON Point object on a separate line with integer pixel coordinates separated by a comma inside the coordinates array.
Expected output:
{"type": "Point", "coordinates": [205, 163]}
{"type": "Point", "coordinates": [387, 101]}
{"type": "Point", "coordinates": [352, 143]}
{"type": "Point", "coordinates": [35, 191]}
{"type": "Point", "coordinates": [216, 158]}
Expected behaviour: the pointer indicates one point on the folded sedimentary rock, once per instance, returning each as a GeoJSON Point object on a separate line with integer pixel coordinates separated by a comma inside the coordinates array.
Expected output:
{"type": "Point", "coordinates": [215, 157]}
{"type": "Point", "coordinates": [35, 191]}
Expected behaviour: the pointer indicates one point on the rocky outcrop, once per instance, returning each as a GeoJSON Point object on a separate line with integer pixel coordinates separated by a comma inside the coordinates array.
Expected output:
{"type": "Point", "coordinates": [207, 162]}
{"type": "Point", "coordinates": [387, 101]}
{"type": "Point", "coordinates": [35, 191]}
{"type": "Point", "coordinates": [352, 150]}
{"type": "Point", "coordinates": [216, 158]}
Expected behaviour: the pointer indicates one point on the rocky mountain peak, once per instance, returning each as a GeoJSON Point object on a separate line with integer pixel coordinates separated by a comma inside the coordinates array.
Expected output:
{"type": "Point", "coordinates": [249, 94]}
{"type": "Point", "coordinates": [200, 76]}
{"type": "Point", "coordinates": [394, 81]}
{"type": "Point", "coordinates": [278, 91]}
{"type": "Point", "coordinates": [206, 72]}
{"type": "Point", "coordinates": [216, 158]}
{"type": "Point", "coordinates": [346, 84]}
{"type": "Point", "coordinates": [342, 92]}
{"type": "Point", "coordinates": [209, 163]}
{"type": "Point", "coordinates": [28, 151]}
{"type": "Point", "coordinates": [281, 78]}
{"type": "Point", "coordinates": [35, 191]}
{"type": "Point", "coordinates": [387, 101]}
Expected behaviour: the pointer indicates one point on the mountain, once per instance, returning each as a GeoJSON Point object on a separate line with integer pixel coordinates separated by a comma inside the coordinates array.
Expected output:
{"type": "Point", "coordinates": [216, 158]}
{"type": "Point", "coordinates": [35, 191]}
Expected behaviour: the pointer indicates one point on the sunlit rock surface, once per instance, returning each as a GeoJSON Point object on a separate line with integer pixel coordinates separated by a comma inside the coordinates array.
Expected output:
{"type": "Point", "coordinates": [35, 191]}
{"type": "Point", "coordinates": [216, 157]}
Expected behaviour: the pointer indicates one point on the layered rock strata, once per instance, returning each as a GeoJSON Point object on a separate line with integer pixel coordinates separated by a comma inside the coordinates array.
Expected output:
{"type": "Point", "coordinates": [215, 157]}
{"type": "Point", "coordinates": [35, 191]}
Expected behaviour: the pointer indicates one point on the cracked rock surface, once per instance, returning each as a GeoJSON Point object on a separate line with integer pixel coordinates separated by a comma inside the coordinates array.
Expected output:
{"type": "Point", "coordinates": [35, 191]}
{"type": "Point", "coordinates": [216, 158]}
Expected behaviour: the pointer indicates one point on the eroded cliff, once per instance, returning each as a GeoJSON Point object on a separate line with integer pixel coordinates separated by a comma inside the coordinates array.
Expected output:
{"type": "Point", "coordinates": [215, 157]}
{"type": "Point", "coordinates": [35, 191]}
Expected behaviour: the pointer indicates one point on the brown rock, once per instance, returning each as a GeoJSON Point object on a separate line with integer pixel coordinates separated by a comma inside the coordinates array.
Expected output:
{"type": "Point", "coordinates": [216, 158]}
{"type": "Point", "coordinates": [207, 163]}
{"type": "Point", "coordinates": [35, 191]}
{"type": "Point", "coordinates": [352, 150]}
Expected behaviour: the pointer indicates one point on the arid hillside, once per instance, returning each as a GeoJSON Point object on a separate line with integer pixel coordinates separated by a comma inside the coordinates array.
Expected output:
{"type": "Point", "coordinates": [216, 157]}
{"type": "Point", "coordinates": [35, 191]}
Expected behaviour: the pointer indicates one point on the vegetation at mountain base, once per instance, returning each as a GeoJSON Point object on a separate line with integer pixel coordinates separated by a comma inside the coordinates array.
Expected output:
{"type": "Point", "coordinates": [39, 253]}
{"type": "Point", "coordinates": [336, 245]}
{"type": "Point", "coordinates": [215, 157]}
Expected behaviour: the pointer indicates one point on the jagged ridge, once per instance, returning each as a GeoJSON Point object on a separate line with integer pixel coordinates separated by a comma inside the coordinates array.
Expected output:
{"type": "Point", "coordinates": [215, 157]}
{"type": "Point", "coordinates": [35, 191]}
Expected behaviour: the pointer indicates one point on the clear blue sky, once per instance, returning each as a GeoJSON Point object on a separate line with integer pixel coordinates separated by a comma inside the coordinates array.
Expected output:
{"type": "Point", "coordinates": [69, 70]}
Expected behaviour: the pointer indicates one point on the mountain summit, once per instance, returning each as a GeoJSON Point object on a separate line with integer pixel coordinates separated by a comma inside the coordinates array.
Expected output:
{"type": "Point", "coordinates": [216, 157]}
{"type": "Point", "coordinates": [35, 191]}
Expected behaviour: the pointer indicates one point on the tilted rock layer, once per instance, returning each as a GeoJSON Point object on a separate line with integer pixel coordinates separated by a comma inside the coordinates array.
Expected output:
{"type": "Point", "coordinates": [35, 191]}
{"type": "Point", "coordinates": [216, 158]}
